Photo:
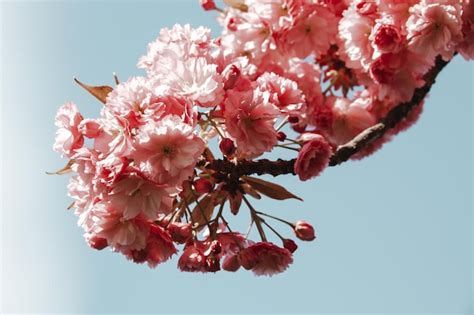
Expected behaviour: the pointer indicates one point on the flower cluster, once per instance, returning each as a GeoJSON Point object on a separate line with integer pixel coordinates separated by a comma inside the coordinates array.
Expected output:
{"type": "Point", "coordinates": [326, 69]}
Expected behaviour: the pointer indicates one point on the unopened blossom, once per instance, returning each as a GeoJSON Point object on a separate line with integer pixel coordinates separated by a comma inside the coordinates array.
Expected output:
{"type": "Point", "coordinates": [68, 137]}
{"type": "Point", "coordinates": [312, 158]}
{"type": "Point", "coordinates": [304, 231]}
{"type": "Point", "coordinates": [208, 4]}
{"type": "Point", "coordinates": [96, 242]}
{"type": "Point", "coordinates": [250, 118]}
{"type": "Point", "coordinates": [167, 150]}
{"type": "Point", "coordinates": [227, 147]}
{"type": "Point", "coordinates": [290, 245]}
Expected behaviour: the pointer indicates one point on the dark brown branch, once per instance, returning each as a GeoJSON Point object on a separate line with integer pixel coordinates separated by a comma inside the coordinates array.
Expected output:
{"type": "Point", "coordinates": [344, 152]}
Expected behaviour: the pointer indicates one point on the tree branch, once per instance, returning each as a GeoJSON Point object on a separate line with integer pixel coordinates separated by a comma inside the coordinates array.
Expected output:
{"type": "Point", "coordinates": [344, 152]}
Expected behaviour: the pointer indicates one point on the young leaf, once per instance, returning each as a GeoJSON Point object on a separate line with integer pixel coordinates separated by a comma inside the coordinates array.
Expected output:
{"type": "Point", "coordinates": [271, 190]}
{"type": "Point", "coordinates": [99, 92]}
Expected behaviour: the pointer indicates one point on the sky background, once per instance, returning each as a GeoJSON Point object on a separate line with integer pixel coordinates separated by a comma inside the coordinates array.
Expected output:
{"type": "Point", "coordinates": [394, 230]}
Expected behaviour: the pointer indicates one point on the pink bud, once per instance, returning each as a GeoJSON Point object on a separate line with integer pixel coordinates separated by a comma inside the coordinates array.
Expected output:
{"type": "Point", "coordinates": [180, 232]}
{"type": "Point", "coordinates": [298, 128]}
{"type": "Point", "coordinates": [98, 243]}
{"type": "Point", "coordinates": [203, 186]}
{"type": "Point", "coordinates": [231, 75]}
{"type": "Point", "coordinates": [227, 147]}
{"type": "Point", "coordinates": [304, 231]}
{"type": "Point", "coordinates": [293, 119]}
{"type": "Point", "coordinates": [281, 136]}
{"type": "Point", "coordinates": [231, 263]}
{"type": "Point", "coordinates": [90, 128]}
{"type": "Point", "coordinates": [290, 245]}
{"type": "Point", "coordinates": [208, 4]}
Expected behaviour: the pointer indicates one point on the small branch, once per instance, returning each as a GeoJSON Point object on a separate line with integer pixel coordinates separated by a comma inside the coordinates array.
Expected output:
{"type": "Point", "coordinates": [344, 152]}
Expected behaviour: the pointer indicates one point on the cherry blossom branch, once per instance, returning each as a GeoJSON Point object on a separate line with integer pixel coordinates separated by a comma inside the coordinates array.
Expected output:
{"type": "Point", "coordinates": [344, 152]}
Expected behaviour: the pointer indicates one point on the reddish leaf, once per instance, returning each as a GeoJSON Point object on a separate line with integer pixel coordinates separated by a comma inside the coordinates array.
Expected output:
{"type": "Point", "coordinates": [202, 212]}
{"type": "Point", "coordinates": [271, 190]}
{"type": "Point", "coordinates": [99, 92]}
{"type": "Point", "coordinates": [66, 169]}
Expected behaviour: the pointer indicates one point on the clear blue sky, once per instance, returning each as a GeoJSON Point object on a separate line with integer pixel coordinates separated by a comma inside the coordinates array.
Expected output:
{"type": "Point", "coordinates": [394, 230]}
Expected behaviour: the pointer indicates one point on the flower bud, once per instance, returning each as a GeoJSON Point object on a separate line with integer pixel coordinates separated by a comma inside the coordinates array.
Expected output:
{"type": "Point", "coordinates": [231, 263]}
{"type": "Point", "coordinates": [180, 232]}
{"type": "Point", "coordinates": [290, 245]}
{"type": "Point", "coordinates": [208, 5]}
{"type": "Point", "coordinates": [293, 119]}
{"type": "Point", "coordinates": [98, 243]}
{"type": "Point", "coordinates": [281, 136]}
{"type": "Point", "coordinates": [298, 128]}
{"type": "Point", "coordinates": [203, 186]}
{"type": "Point", "coordinates": [304, 231]}
{"type": "Point", "coordinates": [227, 147]}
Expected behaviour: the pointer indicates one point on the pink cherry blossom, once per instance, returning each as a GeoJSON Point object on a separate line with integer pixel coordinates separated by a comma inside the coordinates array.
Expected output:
{"type": "Point", "coordinates": [193, 78]}
{"type": "Point", "coordinates": [284, 93]}
{"type": "Point", "coordinates": [315, 29]}
{"type": "Point", "coordinates": [354, 31]}
{"type": "Point", "coordinates": [120, 233]}
{"type": "Point", "coordinates": [183, 41]}
{"type": "Point", "coordinates": [312, 158]}
{"type": "Point", "coordinates": [167, 150]}
{"type": "Point", "coordinates": [134, 195]}
{"type": "Point", "coordinates": [433, 28]}
{"type": "Point", "coordinates": [249, 118]}
{"type": "Point", "coordinates": [68, 137]}
{"type": "Point", "coordinates": [265, 259]}
{"type": "Point", "coordinates": [159, 248]}
{"type": "Point", "coordinates": [172, 152]}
